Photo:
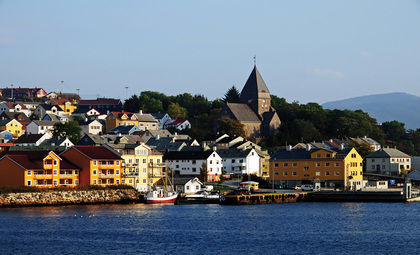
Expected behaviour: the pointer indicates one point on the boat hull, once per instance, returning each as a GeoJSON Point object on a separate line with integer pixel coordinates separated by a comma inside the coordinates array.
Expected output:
{"type": "Point", "coordinates": [160, 200]}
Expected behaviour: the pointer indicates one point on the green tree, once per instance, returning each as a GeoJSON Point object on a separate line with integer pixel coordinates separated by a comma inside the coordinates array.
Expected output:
{"type": "Point", "coordinates": [394, 130]}
{"type": "Point", "coordinates": [231, 127]}
{"type": "Point", "coordinates": [232, 95]}
{"type": "Point", "coordinates": [363, 149]}
{"type": "Point", "coordinates": [176, 111]}
{"type": "Point", "coordinates": [69, 129]}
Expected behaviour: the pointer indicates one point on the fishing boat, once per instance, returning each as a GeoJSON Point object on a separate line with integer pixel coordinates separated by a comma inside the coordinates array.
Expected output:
{"type": "Point", "coordinates": [160, 195]}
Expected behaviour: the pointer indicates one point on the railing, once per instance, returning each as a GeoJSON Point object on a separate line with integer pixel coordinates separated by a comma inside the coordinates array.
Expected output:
{"type": "Point", "coordinates": [102, 175]}
{"type": "Point", "coordinates": [42, 176]}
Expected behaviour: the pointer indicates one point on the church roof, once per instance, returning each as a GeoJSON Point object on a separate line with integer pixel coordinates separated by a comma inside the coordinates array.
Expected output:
{"type": "Point", "coordinates": [243, 112]}
{"type": "Point", "coordinates": [254, 87]}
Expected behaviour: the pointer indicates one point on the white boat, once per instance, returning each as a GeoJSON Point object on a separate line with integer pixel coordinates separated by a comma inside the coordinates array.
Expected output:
{"type": "Point", "coordinates": [204, 194]}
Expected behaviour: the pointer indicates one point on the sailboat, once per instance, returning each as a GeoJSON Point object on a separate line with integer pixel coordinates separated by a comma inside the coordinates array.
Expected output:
{"type": "Point", "coordinates": [161, 195]}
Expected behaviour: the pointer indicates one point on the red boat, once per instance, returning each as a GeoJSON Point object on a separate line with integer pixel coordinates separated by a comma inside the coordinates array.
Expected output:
{"type": "Point", "coordinates": [160, 196]}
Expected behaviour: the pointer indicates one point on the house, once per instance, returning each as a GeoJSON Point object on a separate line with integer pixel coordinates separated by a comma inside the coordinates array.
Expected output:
{"type": "Point", "coordinates": [237, 162]}
{"type": "Point", "coordinates": [15, 107]}
{"type": "Point", "coordinates": [90, 113]}
{"type": "Point", "coordinates": [163, 144]}
{"type": "Point", "coordinates": [64, 104]}
{"type": "Point", "coordinates": [40, 127]}
{"type": "Point", "coordinates": [340, 168]}
{"type": "Point", "coordinates": [52, 142]}
{"type": "Point", "coordinates": [194, 163]}
{"type": "Point", "coordinates": [154, 133]}
{"type": "Point", "coordinates": [32, 139]}
{"type": "Point", "coordinates": [104, 106]}
{"type": "Point", "coordinates": [107, 139]}
{"type": "Point", "coordinates": [56, 118]}
{"type": "Point", "coordinates": [21, 117]}
{"type": "Point", "coordinates": [179, 124]}
{"type": "Point", "coordinates": [19, 94]}
{"type": "Point", "coordinates": [254, 110]}
{"type": "Point", "coordinates": [12, 126]}
{"type": "Point", "coordinates": [98, 165]}
{"type": "Point", "coordinates": [142, 166]}
{"type": "Point", "coordinates": [186, 185]}
{"type": "Point", "coordinates": [161, 119]}
{"type": "Point", "coordinates": [116, 119]}
{"type": "Point", "coordinates": [388, 161]}
{"type": "Point", "coordinates": [124, 130]}
{"type": "Point", "coordinates": [93, 127]}
{"type": "Point", "coordinates": [36, 169]}
{"type": "Point", "coordinates": [43, 109]}
{"type": "Point", "coordinates": [146, 121]}
{"type": "Point", "coordinates": [5, 136]}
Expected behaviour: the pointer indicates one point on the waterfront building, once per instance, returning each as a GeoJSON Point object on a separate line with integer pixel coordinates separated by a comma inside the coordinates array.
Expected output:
{"type": "Point", "coordinates": [194, 163]}
{"type": "Point", "coordinates": [388, 161]}
{"type": "Point", "coordinates": [237, 162]}
{"type": "Point", "coordinates": [336, 168]}
{"type": "Point", "coordinates": [142, 166]}
{"type": "Point", "coordinates": [36, 169]}
{"type": "Point", "coordinates": [99, 165]}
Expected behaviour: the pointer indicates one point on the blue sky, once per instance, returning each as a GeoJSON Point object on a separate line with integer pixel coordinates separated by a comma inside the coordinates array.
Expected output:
{"type": "Point", "coordinates": [307, 51]}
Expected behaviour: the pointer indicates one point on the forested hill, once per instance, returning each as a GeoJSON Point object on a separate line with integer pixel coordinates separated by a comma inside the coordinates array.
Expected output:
{"type": "Point", "coordinates": [398, 106]}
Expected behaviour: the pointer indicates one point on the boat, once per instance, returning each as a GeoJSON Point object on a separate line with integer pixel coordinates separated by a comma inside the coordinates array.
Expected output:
{"type": "Point", "coordinates": [160, 195]}
{"type": "Point", "coordinates": [204, 194]}
{"type": "Point", "coordinates": [201, 197]}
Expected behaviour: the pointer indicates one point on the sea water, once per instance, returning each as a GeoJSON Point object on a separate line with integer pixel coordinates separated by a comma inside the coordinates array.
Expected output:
{"type": "Point", "coordinates": [293, 228]}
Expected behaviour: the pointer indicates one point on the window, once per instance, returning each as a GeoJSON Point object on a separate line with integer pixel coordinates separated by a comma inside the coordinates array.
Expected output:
{"type": "Point", "coordinates": [94, 163]}
{"type": "Point", "coordinates": [144, 160]}
{"type": "Point", "coordinates": [118, 181]}
{"type": "Point", "coordinates": [117, 171]}
{"type": "Point", "coordinates": [276, 173]}
{"type": "Point", "coordinates": [117, 163]}
{"type": "Point", "coordinates": [285, 164]}
{"type": "Point", "coordinates": [328, 155]}
{"type": "Point", "coordinates": [327, 173]}
{"type": "Point", "coordinates": [383, 166]}
{"type": "Point", "coordinates": [294, 164]}
{"type": "Point", "coordinates": [94, 172]}
{"type": "Point", "coordinates": [76, 172]}
{"type": "Point", "coordinates": [144, 181]}
{"type": "Point", "coordinates": [55, 182]}
{"type": "Point", "coordinates": [327, 164]}
{"type": "Point", "coordinates": [188, 187]}
{"type": "Point", "coordinates": [306, 169]}
{"type": "Point", "coordinates": [373, 160]}
{"type": "Point", "coordinates": [194, 169]}
{"type": "Point", "coordinates": [285, 173]}
{"type": "Point", "coordinates": [211, 161]}
{"type": "Point", "coordinates": [29, 173]}
{"type": "Point", "coordinates": [318, 164]}
{"type": "Point", "coordinates": [383, 160]}
{"type": "Point", "coordinates": [76, 181]}
{"type": "Point", "coordinates": [318, 173]}
{"type": "Point", "coordinates": [276, 164]}
{"type": "Point", "coordinates": [318, 155]}
{"type": "Point", "coordinates": [29, 183]}
{"type": "Point", "coordinates": [196, 187]}
{"type": "Point", "coordinates": [336, 173]}
{"type": "Point", "coordinates": [373, 167]}
{"type": "Point", "coordinates": [55, 162]}
{"type": "Point", "coordinates": [55, 171]}
{"type": "Point", "coordinates": [294, 173]}
{"type": "Point", "coordinates": [233, 161]}
{"type": "Point", "coordinates": [94, 181]}
{"type": "Point", "coordinates": [337, 164]}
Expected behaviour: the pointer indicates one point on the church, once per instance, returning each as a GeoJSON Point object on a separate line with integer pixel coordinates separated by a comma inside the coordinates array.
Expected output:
{"type": "Point", "coordinates": [254, 109]}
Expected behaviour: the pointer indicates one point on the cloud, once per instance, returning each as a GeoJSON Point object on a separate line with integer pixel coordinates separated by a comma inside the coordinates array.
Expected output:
{"type": "Point", "coordinates": [325, 73]}
{"type": "Point", "coordinates": [366, 54]}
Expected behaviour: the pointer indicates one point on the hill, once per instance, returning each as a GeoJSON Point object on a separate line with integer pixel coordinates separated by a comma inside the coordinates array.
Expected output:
{"type": "Point", "coordinates": [402, 107]}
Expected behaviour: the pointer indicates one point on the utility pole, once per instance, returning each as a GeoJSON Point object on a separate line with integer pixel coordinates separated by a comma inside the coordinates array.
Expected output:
{"type": "Point", "coordinates": [78, 92]}
{"type": "Point", "coordinates": [126, 93]}
{"type": "Point", "coordinates": [62, 88]}
{"type": "Point", "coordinates": [12, 91]}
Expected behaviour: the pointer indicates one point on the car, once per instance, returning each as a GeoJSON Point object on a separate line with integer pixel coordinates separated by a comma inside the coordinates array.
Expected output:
{"type": "Point", "coordinates": [307, 187]}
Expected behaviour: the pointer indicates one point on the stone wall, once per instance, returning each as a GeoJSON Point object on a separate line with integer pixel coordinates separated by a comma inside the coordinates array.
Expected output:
{"type": "Point", "coordinates": [68, 197]}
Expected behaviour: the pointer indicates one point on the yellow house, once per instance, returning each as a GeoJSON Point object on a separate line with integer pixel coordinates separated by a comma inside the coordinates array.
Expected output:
{"type": "Point", "coordinates": [335, 168]}
{"type": "Point", "coordinates": [65, 104]}
{"type": "Point", "coordinates": [115, 119]}
{"type": "Point", "coordinates": [37, 169]}
{"type": "Point", "coordinates": [142, 166]}
{"type": "Point", "coordinates": [13, 126]}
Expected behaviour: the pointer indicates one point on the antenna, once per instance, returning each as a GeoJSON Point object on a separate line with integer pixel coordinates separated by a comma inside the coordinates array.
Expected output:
{"type": "Point", "coordinates": [255, 59]}
{"type": "Point", "coordinates": [62, 88]}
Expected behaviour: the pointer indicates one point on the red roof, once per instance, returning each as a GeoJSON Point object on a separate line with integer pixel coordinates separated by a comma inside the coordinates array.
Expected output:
{"type": "Point", "coordinates": [176, 122]}
{"type": "Point", "coordinates": [60, 101]}
{"type": "Point", "coordinates": [96, 152]}
{"type": "Point", "coordinates": [12, 105]}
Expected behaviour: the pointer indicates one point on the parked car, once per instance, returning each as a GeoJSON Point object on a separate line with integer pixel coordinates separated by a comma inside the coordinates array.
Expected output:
{"type": "Point", "coordinates": [307, 187]}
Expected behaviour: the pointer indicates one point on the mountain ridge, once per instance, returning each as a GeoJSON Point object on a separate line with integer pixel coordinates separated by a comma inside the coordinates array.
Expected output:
{"type": "Point", "coordinates": [399, 106]}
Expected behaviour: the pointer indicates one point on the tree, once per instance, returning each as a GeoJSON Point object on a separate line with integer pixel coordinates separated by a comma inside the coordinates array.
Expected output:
{"type": "Point", "coordinates": [363, 149]}
{"type": "Point", "coordinates": [69, 129]}
{"type": "Point", "coordinates": [203, 172]}
{"type": "Point", "coordinates": [231, 127]}
{"type": "Point", "coordinates": [394, 130]}
{"type": "Point", "coordinates": [232, 95]}
{"type": "Point", "coordinates": [176, 111]}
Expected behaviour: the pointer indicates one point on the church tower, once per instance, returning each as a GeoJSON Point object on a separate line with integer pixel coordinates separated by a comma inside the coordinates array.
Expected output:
{"type": "Point", "coordinates": [256, 94]}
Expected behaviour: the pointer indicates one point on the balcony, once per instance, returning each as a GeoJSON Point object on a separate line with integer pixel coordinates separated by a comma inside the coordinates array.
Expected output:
{"type": "Point", "coordinates": [104, 175]}
{"type": "Point", "coordinates": [156, 165]}
{"type": "Point", "coordinates": [42, 176]}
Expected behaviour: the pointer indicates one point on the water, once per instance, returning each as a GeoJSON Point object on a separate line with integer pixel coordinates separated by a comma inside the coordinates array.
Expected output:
{"type": "Point", "coordinates": [295, 228]}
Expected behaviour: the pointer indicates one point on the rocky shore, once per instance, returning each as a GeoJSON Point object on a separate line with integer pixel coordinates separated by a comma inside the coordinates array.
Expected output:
{"type": "Point", "coordinates": [68, 197]}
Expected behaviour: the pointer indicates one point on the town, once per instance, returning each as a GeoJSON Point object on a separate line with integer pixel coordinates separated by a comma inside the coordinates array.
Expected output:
{"type": "Point", "coordinates": [113, 146]}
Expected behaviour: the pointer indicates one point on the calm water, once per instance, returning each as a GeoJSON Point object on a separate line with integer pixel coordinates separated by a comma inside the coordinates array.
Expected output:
{"type": "Point", "coordinates": [296, 228]}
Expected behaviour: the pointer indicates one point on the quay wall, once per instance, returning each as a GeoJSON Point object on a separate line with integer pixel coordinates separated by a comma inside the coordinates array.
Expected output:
{"type": "Point", "coordinates": [68, 197]}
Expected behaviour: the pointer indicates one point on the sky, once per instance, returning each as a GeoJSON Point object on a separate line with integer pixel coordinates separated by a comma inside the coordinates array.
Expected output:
{"type": "Point", "coordinates": [306, 51]}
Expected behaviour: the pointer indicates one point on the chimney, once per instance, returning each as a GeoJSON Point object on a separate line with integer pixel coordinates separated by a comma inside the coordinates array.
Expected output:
{"type": "Point", "coordinates": [141, 112]}
{"type": "Point", "coordinates": [308, 147]}
{"type": "Point", "coordinates": [289, 147]}
{"type": "Point", "coordinates": [157, 137]}
{"type": "Point", "coordinates": [341, 146]}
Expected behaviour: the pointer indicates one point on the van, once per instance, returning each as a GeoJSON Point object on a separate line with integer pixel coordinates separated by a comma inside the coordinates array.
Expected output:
{"type": "Point", "coordinates": [307, 187]}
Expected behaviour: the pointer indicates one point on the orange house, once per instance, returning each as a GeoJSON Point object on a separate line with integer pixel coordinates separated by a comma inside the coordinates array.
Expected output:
{"type": "Point", "coordinates": [37, 169]}
{"type": "Point", "coordinates": [99, 165]}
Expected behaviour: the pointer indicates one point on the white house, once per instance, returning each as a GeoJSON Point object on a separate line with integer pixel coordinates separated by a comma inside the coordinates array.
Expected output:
{"type": "Point", "coordinates": [40, 127]}
{"type": "Point", "coordinates": [191, 163]}
{"type": "Point", "coordinates": [179, 124]}
{"type": "Point", "coordinates": [187, 185]}
{"type": "Point", "coordinates": [92, 127]}
{"type": "Point", "coordinates": [14, 107]}
{"type": "Point", "coordinates": [146, 121]}
{"type": "Point", "coordinates": [388, 161]}
{"type": "Point", "coordinates": [32, 139]}
{"type": "Point", "coordinates": [239, 161]}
